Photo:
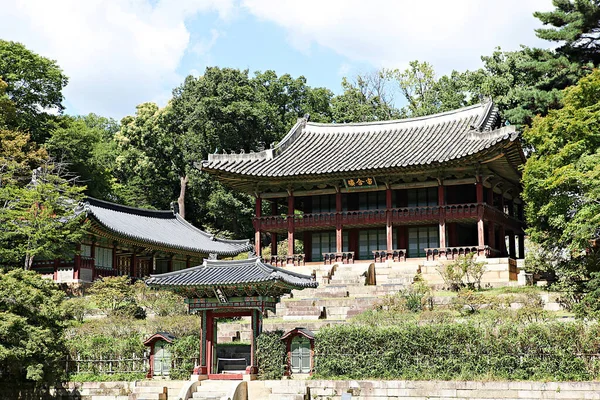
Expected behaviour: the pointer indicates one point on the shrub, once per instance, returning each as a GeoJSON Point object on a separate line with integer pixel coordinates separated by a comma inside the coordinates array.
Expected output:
{"type": "Point", "coordinates": [508, 351]}
{"type": "Point", "coordinates": [115, 296]}
{"type": "Point", "coordinates": [161, 302]}
{"type": "Point", "coordinates": [185, 351]}
{"type": "Point", "coordinates": [77, 308]}
{"type": "Point", "coordinates": [270, 355]}
{"type": "Point", "coordinates": [463, 272]}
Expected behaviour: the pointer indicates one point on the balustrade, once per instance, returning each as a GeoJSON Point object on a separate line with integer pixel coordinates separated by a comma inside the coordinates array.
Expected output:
{"type": "Point", "coordinates": [452, 253]}
{"type": "Point", "coordinates": [284, 260]}
{"type": "Point", "coordinates": [345, 257]}
{"type": "Point", "coordinates": [395, 255]}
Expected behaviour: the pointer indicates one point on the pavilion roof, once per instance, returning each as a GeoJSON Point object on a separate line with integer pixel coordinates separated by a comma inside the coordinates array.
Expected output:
{"type": "Point", "coordinates": [311, 150]}
{"type": "Point", "coordinates": [224, 273]}
{"type": "Point", "coordinates": [164, 229]}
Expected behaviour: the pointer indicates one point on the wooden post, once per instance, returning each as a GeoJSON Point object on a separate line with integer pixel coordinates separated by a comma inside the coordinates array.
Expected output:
{"type": "Point", "coordinates": [521, 246]}
{"type": "Point", "coordinates": [170, 263]}
{"type": "Point", "coordinates": [132, 266]}
{"type": "Point", "coordinates": [491, 234]}
{"type": "Point", "coordinates": [209, 342]}
{"type": "Point", "coordinates": [511, 245]}
{"type": "Point", "coordinates": [291, 224]}
{"type": "Point", "coordinates": [257, 228]}
{"type": "Point", "coordinates": [273, 243]}
{"type": "Point", "coordinates": [480, 227]}
{"type": "Point", "coordinates": [502, 237]}
{"type": "Point", "coordinates": [114, 260]}
{"type": "Point", "coordinates": [389, 229]}
{"type": "Point", "coordinates": [442, 221]}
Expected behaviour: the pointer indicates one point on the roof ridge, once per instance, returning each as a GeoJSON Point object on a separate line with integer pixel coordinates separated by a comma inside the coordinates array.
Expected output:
{"type": "Point", "coordinates": [395, 121]}
{"type": "Point", "coordinates": [210, 235]}
{"type": "Point", "coordinates": [146, 212]}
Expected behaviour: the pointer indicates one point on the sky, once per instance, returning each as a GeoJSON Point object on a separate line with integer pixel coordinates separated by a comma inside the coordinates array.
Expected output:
{"type": "Point", "coordinates": [121, 53]}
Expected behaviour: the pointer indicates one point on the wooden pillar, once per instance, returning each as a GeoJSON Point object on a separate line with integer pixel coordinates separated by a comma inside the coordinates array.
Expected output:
{"type": "Point", "coordinates": [273, 243]}
{"type": "Point", "coordinates": [77, 264]}
{"type": "Point", "coordinates": [210, 345]}
{"type": "Point", "coordinates": [188, 261]}
{"type": "Point", "coordinates": [291, 223]}
{"type": "Point", "coordinates": [502, 238]}
{"type": "Point", "coordinates": [132, 265]}
{"type": "Point", "coordinates": [480, 227]}
{"type": "Point", "coordinates": [389, 229]}
{"type": "Point", "coordinates": [256, 328]}
{"type": "Point", "coordinates": [257, 227]}
{"type": "Point", "coordinates": [511, 245]}
{"type": "Point", "coordinates": [170, 263]}
{"type": "Point", "coordinates": [93, 257]}
{"type": "Point", "coordinates": [114, 260]}
{"type": "Point", "coordinates": [202, 361]}
{"type": "Point", "coordinates": [442, 221]}
{"type": "Point", "coordinates": [339, 245]}
{"type": "Point", "coordinates": [521, 246]}
{"type": "Point", "coordinates": [492, 235]}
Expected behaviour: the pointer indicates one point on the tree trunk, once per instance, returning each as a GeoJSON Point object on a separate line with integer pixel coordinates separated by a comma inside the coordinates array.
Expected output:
{"type": "Point", "coordinates": [181, 200]}
{"type": "Point", "coordinates": [28, 262]}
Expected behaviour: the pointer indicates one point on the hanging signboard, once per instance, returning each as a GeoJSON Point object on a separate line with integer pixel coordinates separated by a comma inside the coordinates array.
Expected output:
{"type": "Point", "coordinates": [360, 183]}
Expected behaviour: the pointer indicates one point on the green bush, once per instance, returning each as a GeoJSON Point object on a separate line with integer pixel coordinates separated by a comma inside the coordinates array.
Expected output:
{"type": "Point", "coordinates": [184, 351]}
{"type": "Point", "coordinates": [270, 355]}
{"type": "Point", "coordinates": [446, 351]}
{"type": "Point", "coordinates": [116, 377]}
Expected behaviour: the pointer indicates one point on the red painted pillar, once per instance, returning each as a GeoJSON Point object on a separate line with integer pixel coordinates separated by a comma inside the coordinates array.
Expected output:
{"type": "Point", "coordinates": [389, 228]}
{"type": "Point", "coordinates": [132, 266]}
{"type": "Point", "coordinates": [339, 245]}
{"type": "Point", "coordinates": [114, 261]}
{"type": "Point", "coordinates": [291, 224]}
{"type": "Point", "coordinates": [257, 227]}
{"type": "Point", "coordinates": [210, 345]}
{"type": "Point", "coordinates": [441, 204]}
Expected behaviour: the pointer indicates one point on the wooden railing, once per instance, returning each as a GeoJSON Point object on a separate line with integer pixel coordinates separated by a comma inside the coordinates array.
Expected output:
{"type": "Point", "coordinates": [345, 257]}
{"type": "Point", "coordinates": [372, 217]}
{"type": "Point", "coordinates": [395, 255]}
{"type": "Point", "coordinates": [452, 253]}
{"type": "Point", "coordinates": [283, 260]}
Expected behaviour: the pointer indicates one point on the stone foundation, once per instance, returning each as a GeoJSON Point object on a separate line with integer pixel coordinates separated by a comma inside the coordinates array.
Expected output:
{"type": "Point", "coordinates": [421, 390]}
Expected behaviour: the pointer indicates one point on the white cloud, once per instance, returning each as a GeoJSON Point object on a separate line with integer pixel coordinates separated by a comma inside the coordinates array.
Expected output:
{"type": "Point", "coordinates": [390, 33]}
{"type": "Point", "coordinates": [116, 53]}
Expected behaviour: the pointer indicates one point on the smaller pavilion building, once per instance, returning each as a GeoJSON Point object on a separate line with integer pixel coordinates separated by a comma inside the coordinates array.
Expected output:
{"type": "Point", "coordinates": [227, 289]}
{"type": "Point", "coordinates": [135, 242]}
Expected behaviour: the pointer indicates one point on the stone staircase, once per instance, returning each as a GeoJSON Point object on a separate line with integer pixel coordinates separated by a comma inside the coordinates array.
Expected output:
{"type": "Point", "coordinates": [216, 390]}
{"type": "Point", "coordinates": [138, 390]}
{"type": "Point", "coordinates": [342, 294]}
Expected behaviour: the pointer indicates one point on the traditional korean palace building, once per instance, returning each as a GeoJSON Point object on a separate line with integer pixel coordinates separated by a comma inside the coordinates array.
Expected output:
{"type": "Point", "coordinates": [433, 187]}
{"type": "Point", "coordinates": [136, 242]}
{"type": "Point", "coordinates": [226, 289]}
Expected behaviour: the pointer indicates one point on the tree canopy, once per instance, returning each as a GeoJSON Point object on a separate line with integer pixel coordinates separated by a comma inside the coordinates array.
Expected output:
{"type": "Point", "coordinates": [561, 178]}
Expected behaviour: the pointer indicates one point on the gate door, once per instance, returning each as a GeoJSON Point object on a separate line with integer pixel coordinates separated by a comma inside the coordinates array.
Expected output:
{"type": "Point", "coordinates": [300, 355]}
{"type": "Point", "coordinates": [162, 359]}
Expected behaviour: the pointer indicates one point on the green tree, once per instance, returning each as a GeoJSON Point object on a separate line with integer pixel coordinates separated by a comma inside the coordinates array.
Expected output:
{"type": "Point", "coordinates": [18, 157]}
{"type": "Point", "coordinates": [87, 147]}
{"type": "Point", "coordinates": [39, 220]}
{"type": "Point", "coordinates": [34, 85]}
{"type": "Point", "coordinates": [32, 322]}
{"type": "Point", "coordinates": [574, 24]}
{"type": "Point", "coordinates": [368, 98]}
{"type": "Point", "coordinates": [115, 296]}
{"type": "Point", "coordinates": [7, 107]}
{"type": "Point", "coordinates": [561, 178]}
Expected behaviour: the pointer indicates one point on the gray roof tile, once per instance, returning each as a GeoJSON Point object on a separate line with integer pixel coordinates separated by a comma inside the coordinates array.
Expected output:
{"type": "Point", "coordinates": [229, 273]}
{"type": "Point", "coordinates": [314, 148]}
{"type": "Point", "coordinates": [163, 228]}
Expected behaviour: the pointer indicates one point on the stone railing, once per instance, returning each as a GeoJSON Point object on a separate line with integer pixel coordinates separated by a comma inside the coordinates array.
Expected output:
{"type": "Point", "coordinates": [395, 254]}
{"type": "Point", "coordinates": [452, 253]}
{"type": "Point", "coordinates": [345, 257]}
{"type": "Point", "coordinates": [283, 260]}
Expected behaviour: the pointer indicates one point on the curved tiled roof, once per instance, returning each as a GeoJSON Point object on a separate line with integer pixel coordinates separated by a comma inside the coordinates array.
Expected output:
{"type": "Point", "coordinates": [313, 149]}
{"type": "Point", "coordinates": [161, 228]}
{"type": "Point", "coordinates": [232, 273]}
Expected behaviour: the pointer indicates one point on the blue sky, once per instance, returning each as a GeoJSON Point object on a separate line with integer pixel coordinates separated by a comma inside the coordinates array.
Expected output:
{"type": "Point", "coordinates": [120, 53]}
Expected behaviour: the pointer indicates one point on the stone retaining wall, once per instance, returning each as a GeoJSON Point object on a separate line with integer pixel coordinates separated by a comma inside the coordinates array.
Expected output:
{"type": "Point", "coordinates": [421, 390]}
